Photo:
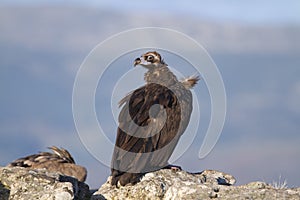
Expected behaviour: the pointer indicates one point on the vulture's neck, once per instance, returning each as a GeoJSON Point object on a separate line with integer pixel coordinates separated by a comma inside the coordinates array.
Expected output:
{"type": "Point", "coordinates": [160, 75]}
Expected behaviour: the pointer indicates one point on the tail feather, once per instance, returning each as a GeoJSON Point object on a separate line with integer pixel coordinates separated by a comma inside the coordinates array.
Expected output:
{"type": "Point", "coordinates": [191, 81]}
{"type": "Point", "coordinates": [62, 153]}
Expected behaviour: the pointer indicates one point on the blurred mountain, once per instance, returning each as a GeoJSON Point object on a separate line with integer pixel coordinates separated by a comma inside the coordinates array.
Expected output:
{"type": "Point", "coordinates": [77, 29]}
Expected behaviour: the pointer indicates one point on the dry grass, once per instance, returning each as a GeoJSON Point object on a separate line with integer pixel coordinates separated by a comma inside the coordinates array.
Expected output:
{"type": "Point", "coordinates": [280, 184]}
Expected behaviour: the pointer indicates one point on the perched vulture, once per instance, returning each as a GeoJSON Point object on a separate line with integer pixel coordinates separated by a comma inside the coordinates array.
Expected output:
{"type": "Point", "coordinates": [152, 119]}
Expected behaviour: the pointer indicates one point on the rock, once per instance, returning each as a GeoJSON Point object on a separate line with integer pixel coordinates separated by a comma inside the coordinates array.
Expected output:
{"type": "Point", "coordinates": [21, 183]}
{"type": "Point", "coordinates": [216, 177]}
{"type": "Point", "coordinates": [4, 192]}
{"type": "Point", "coordinates": [209, 184]}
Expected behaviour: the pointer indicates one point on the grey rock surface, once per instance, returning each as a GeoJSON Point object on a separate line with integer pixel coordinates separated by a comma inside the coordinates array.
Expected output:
{"type": "Point", "coordinates": [24, 184]}
{"type": "Point", "coordinates": [209, 184]}
{"type": "Point", "coordinates": [21, 183]}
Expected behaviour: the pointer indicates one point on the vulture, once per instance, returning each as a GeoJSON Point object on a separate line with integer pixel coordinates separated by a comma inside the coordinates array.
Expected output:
{"type": "Point", "coordinates": [59, 161]}
{"type": "Point", "coordinates": [151, 121]}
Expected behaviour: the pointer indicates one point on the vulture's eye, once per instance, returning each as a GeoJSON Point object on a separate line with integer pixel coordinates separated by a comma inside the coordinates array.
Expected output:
{"type": "Point", "coordinates": [150, 58]}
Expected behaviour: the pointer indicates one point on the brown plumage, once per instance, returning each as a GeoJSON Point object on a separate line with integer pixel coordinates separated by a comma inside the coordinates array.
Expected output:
{"type": "Point", "coordinates": [163, 89]}
{"type": "Point", "coordinates": [59, 161]}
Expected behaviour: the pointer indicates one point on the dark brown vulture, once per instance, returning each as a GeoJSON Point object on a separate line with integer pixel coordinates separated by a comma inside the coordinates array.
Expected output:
{"type": "Point", "coordinates": [151, 121]}
{"type": "Point", "coordinates": [59, 161]}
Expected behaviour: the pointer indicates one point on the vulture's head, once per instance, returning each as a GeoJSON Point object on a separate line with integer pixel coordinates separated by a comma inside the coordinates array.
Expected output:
{"type": "Point", "coordinates": [150, 60]}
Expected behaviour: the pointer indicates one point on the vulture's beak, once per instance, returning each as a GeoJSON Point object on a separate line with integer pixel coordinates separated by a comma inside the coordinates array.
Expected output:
{"type": "Point", "coordinates": [137, 61]}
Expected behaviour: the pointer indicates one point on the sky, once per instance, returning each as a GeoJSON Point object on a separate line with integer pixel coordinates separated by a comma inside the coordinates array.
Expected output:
{"type": "Point", "coordinates": [255, 45]}
{"type": "Point", "coordinates": [255, 11]}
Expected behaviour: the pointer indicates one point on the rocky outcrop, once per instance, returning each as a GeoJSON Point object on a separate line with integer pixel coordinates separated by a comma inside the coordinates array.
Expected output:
{"type": "Point", "coordinates": [209, 184]}
{"type": "Point", "coordinates": [21, 183]}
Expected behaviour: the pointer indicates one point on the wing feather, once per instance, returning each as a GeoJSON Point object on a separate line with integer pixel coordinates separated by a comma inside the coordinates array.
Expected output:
{"type": "Point", "coordinates": [138, 104]}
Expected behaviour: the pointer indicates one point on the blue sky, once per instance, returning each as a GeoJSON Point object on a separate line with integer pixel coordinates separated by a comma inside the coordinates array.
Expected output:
{"type": "Point", "coordinates": [249, 11]}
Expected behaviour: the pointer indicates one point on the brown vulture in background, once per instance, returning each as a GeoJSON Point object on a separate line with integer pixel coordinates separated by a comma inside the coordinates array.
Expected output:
{"type": "Point", "coordinates": [60, 161]}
